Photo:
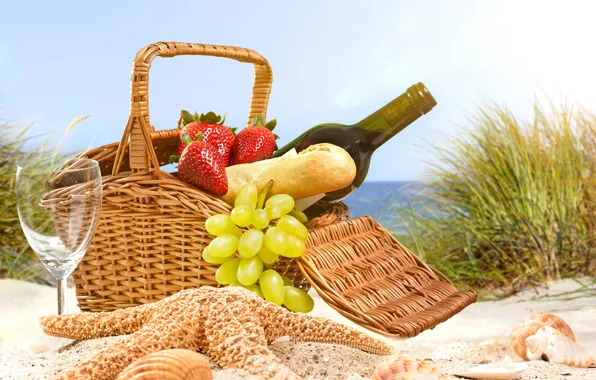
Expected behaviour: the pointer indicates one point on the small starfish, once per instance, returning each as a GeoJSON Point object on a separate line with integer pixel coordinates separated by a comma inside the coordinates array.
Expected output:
{"type": "Point", "coordinates": [232, 325]}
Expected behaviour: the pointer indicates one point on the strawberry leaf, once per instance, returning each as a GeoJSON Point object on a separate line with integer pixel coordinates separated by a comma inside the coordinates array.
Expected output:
{"type": "Point", "coordinates": [198, 137]}
{"type": "Point", "coordinates": [186, 118]}
{"type": "Point", "coordinates": [210, 117]}
{"type": "Point", "coordinates": [174, 159]}
{"type": "Point", "coordinates": [223, 120]}
{"type": "Point", "coordinates": [271, 124]}
{"type": "Point", "coordinates": [258, 120]}
{"type": "Point", "coordinates": [276, 136]}
{"type": "Point", "coordinates": [185, 137]}
{"type": "Point", "coordinates": [234, 130]}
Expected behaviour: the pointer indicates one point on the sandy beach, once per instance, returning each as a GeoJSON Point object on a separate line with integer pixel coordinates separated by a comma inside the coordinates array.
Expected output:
{"type": "Point", "coordinates": [26, 353]}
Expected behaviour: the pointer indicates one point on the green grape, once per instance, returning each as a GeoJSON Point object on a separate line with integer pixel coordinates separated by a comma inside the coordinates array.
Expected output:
{"type": "Point", "coordinates": [260, 292]}
{"type": "Point", "coordinates": [249, 270]}
{"type": "Point", "coordinates": [276, 240]}
{"type": "Point", "coordinates": [287, 281]}
{"type": "Point", "coordinates": [223, 246]}
{"type": "Point", "coordinates": [269, 266]}
{"type": "Point", "coordinates": [255, 289]}
{"type": "Point", "coordinates": [250, 243]}
{"type": "Point", "coordinates": [283, 201]}
{"type": "Point", "coordinates": [242, 215]}
{"type": "Point", "coordinates": [260, 219]}
{"type": "Point", "coordinates": [302, 218]}
{"type": "Point", "coordinates": [295, 247]}
{"type": "Point", "coordinates": [219, 224]}
{"type": "Point", "coordinates": [268, 256]}
{"type": "Point", "coordinates": [297, 300]}
{"type": "Point", "coordinates": [226, 273]}
{"type": "Point", "coordinates": [236, 283]}
{"type": "Point", "coordinates": [293, 226]}
{"type": "Point", "coordinates": [236, 232]}
{"type": "Point", "coordinates": [272, 286]}
{"type": "Point", "coordinates": [247, 196]}
{"type": "Point", "coordinates": [208, 257]}
{"type": "Point", "coordinates": [273, 212]}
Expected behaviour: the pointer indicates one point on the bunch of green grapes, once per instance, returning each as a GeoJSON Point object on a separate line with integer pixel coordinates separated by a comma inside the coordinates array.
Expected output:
{"type": "Point", "coordinates": [251, 239]}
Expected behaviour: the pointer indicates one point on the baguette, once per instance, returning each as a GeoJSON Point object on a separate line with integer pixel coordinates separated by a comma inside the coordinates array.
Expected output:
{"type": "Point", "coordinates": [318, 169]}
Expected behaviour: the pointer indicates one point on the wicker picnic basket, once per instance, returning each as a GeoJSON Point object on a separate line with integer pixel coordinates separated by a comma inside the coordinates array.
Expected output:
{"type": "Point", "coordinates": [151, 232]}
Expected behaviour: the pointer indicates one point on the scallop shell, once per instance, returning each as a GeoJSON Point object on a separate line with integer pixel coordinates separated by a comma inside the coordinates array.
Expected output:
{"type": "Point", "coordinates": [176, 364]}
{"type": "Point", "coordinates": [406, 368]}
{"type": "Point", "coordinates": [505, 370]}
{"type": "Point", "coordinates": [531, 324]}
{"type": "Point", "coordinates": [553, 346]}
{"type": "Point", "coordinates": [460, 351]}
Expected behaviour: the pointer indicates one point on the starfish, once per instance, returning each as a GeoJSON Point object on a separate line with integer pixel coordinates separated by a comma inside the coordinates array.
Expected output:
{"type": "Point", "coordinates": [232, 325]}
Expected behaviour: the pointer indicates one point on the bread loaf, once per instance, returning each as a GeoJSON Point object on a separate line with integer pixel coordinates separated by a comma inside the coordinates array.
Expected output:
{"type": "Point", "coordinates": [320, 168]}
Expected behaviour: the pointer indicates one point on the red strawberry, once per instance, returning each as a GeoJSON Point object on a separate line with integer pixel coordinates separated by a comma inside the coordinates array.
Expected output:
{"type": "Point", "coordinates": [254, 143]}
{"type": "Point", "coordinates": [213, 131]}
{"type": "Point", "coordinates": [202, 166]}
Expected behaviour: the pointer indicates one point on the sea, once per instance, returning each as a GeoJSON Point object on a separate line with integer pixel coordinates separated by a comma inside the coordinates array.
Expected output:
{"type": "Point", "coordinates": [381, 201]}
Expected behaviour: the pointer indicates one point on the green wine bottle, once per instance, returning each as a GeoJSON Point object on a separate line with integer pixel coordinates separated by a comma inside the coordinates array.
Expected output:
{"type": "Point", "coordinates": [360, 140]}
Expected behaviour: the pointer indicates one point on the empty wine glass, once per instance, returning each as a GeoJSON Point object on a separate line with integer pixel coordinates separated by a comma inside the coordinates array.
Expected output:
{"type": "Point", "coordinates": [59, 209]}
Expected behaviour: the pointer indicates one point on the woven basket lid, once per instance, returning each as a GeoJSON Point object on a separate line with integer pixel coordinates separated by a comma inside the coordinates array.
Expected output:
{"type": "Point", "coordinates": [365, 274]}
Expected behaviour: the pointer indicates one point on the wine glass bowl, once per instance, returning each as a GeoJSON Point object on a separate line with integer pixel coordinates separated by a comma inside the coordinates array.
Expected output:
{"type": "Point", "coordinates": [59, 209]}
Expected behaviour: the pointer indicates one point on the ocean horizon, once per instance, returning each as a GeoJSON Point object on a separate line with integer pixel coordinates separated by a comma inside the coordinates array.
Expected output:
{"type": "Point", "coordinates": [379, 200]}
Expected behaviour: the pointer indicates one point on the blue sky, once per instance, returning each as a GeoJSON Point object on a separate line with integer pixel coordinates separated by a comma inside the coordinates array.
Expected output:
{"type": "Point", "coordinates": [333, 61]}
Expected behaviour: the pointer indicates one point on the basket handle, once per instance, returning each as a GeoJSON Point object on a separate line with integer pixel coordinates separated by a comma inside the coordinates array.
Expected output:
{"type": "Point", "coordinates": [138, 128]}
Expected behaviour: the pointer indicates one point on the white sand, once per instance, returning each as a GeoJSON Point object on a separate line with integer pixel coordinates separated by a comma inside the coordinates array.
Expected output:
{"type": "Point", "coordinates": [23, 303]}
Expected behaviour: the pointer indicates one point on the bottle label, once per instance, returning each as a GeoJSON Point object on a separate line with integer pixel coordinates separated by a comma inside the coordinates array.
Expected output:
{"type": "Point", "coordinates": [304, 203]}
{"type": "Point", "coordinates": [400, 111]}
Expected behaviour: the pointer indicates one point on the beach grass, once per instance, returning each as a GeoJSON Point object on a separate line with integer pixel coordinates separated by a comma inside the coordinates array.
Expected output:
{"type": "Point", "coordinates": [509, 204]}
{"type": "Point", "coordinates": [17, 260]}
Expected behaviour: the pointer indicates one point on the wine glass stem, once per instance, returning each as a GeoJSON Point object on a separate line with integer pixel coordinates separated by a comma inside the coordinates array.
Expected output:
{"type": "Point", "coordinates": [62, 295]}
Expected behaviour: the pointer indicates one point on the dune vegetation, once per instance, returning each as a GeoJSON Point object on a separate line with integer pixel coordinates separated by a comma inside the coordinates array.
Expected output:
{"type": "Point", "coordinates": [508, 203]}
{"type": "Point", "coordinates": [17, 260]}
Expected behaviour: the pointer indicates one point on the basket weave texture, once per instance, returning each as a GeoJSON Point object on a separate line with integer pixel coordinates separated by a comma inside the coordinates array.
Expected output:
{"type": "Point", "coordinates": [365, 274]}
{"type": "Point", "coordinates": [151, 232]}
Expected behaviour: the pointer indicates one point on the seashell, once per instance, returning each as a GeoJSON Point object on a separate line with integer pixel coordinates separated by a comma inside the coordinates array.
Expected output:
{"type": "Point", "coordinates": [492, 347]}
{"type": "Point", "coordinates": [553, 321]}
{"type": "Point", "coordinates": [176, 364]}
{"type": "Point", "coordinates": [531, 324]}
{"type": "Point", "coordinates": [553, 346]}
{"type": "Point", "coordinates": [460, 351]}
{"type": "Point", "coordinates": [406, 368]}
{"type": "Point", "coordinates": [504, 370]}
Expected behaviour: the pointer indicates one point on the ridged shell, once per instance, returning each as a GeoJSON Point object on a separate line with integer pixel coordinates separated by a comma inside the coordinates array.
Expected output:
{"type": "Point", "coordinates": [176, 364]}
{"type": "Point", "coordinates": [553, 321]}
{"type": "Point", "coordinates": [505, 370]}
{"type": "Point", "coordinates": [460, 351]}
{"type": "Point", "coordinates": [551, 345]}
{"type": "Point", "coordinates": [531, 324]}
{"type": "Point", "coordinates": [406, 368]}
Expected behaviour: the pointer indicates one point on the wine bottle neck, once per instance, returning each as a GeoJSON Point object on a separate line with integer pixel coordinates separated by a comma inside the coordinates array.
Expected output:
{"type": "Point", "coordinates": [397, 115]}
